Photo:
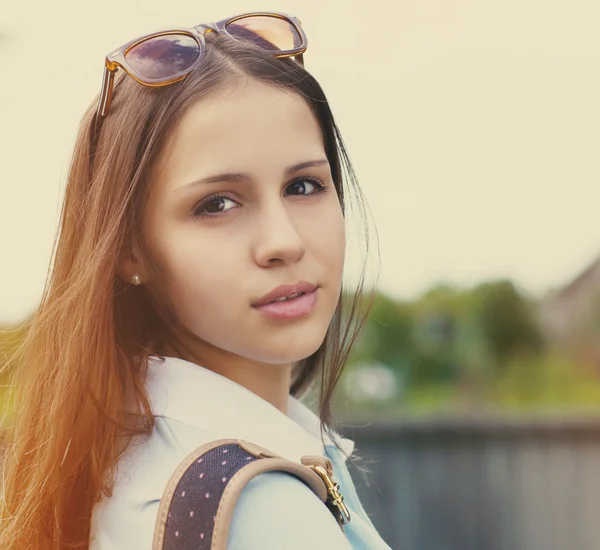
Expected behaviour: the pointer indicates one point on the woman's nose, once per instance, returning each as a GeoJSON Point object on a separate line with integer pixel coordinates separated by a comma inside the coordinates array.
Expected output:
{"type": "Point", "coordinates": [278, 237]}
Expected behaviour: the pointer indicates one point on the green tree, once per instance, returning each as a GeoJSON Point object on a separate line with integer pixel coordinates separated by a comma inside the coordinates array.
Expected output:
{"type": "Point", "coordinates": [506, 320]}
{"type": "Point", "coordinates": [387, 337]}
{"type": "Point", "coordinates": [438, 314]}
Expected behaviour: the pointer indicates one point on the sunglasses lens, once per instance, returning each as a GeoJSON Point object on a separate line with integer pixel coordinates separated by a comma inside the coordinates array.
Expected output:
{"type": "Point", "coordinates": [269, 32]}
{"type": "Point", "coordinates": [163, 57]}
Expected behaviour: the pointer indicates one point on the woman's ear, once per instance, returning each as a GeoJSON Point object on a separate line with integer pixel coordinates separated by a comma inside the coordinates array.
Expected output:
{"type": "Point", "coordinates": [130, 272]}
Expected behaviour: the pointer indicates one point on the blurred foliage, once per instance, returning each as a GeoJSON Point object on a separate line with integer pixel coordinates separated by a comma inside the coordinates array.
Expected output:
{"type": "Point", "coordinates": [10, 339]}
{"type": "Point", "coordinates": [472, 349]}
{"type": "Point", "coordinates": [552, 380]}
{"type": "Point", "coordinates": [506, 321]}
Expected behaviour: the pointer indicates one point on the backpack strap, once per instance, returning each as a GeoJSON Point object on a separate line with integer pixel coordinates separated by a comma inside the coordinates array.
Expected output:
{"type": "Point", "coordinates": [208, 482]}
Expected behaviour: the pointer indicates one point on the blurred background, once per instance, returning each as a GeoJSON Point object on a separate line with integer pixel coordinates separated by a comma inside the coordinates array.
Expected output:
{"type": "Point", "coordinates": [474, 393]}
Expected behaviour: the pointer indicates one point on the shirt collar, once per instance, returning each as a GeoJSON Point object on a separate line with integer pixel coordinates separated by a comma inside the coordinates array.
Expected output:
{"type": "Point", "coordinates": [200, 397]}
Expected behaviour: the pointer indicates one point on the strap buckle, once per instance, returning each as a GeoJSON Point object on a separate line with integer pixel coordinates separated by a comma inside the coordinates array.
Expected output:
{"type": "Point", "coordinates": [335, 499]}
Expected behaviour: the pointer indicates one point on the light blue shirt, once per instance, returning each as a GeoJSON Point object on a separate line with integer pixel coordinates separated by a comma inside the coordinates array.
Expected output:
{"type": "Point", "coordinates": [275, 511]}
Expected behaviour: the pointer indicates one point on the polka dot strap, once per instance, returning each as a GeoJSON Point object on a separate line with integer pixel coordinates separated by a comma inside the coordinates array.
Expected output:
{"type": "Point", "coordinates": [197, 505]}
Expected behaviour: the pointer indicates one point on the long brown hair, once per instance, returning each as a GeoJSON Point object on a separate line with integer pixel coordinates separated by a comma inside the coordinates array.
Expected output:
{"type": "Point", "coordinates": [82, 362]}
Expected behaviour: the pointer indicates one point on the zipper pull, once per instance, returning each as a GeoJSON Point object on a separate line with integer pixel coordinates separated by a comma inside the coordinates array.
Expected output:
{"type": "Point", "coordinates": [335, 501]}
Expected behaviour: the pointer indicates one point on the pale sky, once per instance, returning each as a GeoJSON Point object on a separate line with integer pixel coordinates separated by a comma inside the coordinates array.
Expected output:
{"type": "Point", "coordinates": [474, 127]}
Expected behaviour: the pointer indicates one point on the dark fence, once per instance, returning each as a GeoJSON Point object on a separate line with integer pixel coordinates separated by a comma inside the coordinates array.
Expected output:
{"type": "Point", "coordinates": [486, 484]}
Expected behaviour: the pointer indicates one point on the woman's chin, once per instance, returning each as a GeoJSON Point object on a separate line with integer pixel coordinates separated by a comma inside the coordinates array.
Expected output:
{"type": "Point", "coordinates": [293, 352]}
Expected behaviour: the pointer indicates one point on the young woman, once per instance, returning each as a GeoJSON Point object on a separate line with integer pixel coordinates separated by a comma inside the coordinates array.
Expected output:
{"type": "Point", "coordinates": [195, 294]}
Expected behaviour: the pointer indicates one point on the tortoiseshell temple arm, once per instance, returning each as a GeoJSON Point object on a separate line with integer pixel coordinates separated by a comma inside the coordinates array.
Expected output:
{"type": "Point", "coordinates": [108, 79]}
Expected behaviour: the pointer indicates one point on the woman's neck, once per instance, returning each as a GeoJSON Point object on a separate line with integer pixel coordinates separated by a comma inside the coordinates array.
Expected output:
{"type": "Point", "coordinates": [268, 381]}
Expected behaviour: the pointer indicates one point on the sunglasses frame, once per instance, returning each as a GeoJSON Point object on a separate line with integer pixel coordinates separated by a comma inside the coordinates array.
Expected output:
{"type": "Point", "coordinates": [117, 58]}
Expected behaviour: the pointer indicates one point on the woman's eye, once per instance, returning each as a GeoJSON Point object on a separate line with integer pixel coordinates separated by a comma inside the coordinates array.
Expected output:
{"type": "Point", "coordinates": [214, 206]}
{"type": "Point", "coordinates": [308, 186]}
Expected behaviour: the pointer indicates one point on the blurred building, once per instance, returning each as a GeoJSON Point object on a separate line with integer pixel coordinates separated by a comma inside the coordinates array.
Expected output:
{"type": "Point", "coordinates": [570, 315]}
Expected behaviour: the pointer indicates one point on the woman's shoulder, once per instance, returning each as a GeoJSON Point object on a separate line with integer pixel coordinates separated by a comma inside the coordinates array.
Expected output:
{"type": "Point", "coordinates": [141, 476]}
{"type": "Point", "coordinates": [278, 511]}
{"type": "Point", "coordinates": [274, 510]}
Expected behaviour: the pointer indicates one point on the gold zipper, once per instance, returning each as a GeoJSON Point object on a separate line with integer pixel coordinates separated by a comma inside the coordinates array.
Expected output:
{"type": "Point", "coordinates": [335, 500]}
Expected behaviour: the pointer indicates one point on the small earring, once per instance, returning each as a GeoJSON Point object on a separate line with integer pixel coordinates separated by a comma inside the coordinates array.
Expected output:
{"type": "Point", "coordinates": [136, 280]}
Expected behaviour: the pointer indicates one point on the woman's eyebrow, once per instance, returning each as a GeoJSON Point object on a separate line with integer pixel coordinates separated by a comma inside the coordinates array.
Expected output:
{"type": "Point", "coordinates": [238, 176]}
{"type": "Point", "coordinates": [302, 165]}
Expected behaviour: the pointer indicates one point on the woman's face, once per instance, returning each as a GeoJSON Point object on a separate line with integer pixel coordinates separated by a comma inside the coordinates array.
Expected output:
{"type": "Point", "coordinates": [233, 214]}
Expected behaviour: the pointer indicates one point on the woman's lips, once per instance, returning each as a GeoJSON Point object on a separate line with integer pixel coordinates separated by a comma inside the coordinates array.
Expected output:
{"type": "Point", "coordinates": [290, 309]}
{"type": "Point", "coordinates": [285, 291]}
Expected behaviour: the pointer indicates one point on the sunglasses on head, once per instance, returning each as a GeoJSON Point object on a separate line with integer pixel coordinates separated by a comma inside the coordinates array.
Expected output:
{"type": "Point", "coordinates": [161, 58]}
